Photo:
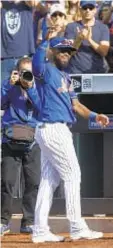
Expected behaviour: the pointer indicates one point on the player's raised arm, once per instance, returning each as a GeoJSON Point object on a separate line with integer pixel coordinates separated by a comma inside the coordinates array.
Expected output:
{"type": "Point", "coordinates": [40, 57]}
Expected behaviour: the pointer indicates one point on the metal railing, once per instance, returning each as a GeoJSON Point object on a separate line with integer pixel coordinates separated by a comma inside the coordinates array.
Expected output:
{"type": "Point", "coordinates": [92, 83]}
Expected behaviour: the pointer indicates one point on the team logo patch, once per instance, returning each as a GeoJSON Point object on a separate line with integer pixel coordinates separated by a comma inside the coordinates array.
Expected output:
{"type": "Point", "coordinates": [64, 86]}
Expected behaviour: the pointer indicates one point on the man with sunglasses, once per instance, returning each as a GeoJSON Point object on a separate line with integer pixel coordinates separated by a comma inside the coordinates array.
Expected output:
{"type": "Point", "coordinates": [92, 41]}
{"type": "Point", "coordinates": [58, 158]}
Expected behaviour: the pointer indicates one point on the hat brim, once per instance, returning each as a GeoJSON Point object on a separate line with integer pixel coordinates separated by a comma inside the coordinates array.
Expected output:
{"type": "Point", "coordinates": [65, 47]}
{"type": "Point", "coordinates": [86, 4]}
{"type": "Point", "coordinates": [59, 12]}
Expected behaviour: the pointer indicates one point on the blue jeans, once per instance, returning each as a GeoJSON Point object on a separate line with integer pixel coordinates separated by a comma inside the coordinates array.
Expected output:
{"type": "Point", "coordinates": [7, 65]}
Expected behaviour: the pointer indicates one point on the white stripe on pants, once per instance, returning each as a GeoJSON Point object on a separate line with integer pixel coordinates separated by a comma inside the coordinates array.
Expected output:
{"type": "Point", "coordinates": [59, 160]}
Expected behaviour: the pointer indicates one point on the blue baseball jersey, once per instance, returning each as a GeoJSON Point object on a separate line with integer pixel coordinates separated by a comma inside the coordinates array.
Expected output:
{"type": "Point", "coordinates": [54, 87]}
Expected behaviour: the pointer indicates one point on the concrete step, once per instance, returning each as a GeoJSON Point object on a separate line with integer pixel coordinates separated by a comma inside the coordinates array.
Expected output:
{"type": "Point", "coordinates": [59, 224]}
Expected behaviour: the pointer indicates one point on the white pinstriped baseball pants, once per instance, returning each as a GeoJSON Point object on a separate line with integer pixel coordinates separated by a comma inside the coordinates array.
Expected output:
{"type": "Point", "coordinates": [58, 160]}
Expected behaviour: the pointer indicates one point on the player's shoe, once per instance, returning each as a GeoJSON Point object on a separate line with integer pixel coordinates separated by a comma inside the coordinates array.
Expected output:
{"type": "Point", "coordinates": [4, 229]}
{"type": "Point", "coordinates": [47, 237]}
{"type": "Point", "coordinates": [86, 234]}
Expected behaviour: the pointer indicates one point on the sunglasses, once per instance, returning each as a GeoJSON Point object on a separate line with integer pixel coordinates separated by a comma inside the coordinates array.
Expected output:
{"type": "Point", "coordinates": [58, 14]}
{"type": "Point", "coordinates": [90, 7]}
{"type": "Point", "coordinates": [65, 50]}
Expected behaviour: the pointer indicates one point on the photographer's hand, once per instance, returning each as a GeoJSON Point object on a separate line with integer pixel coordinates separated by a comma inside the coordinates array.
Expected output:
{"type": "Point", "coordinates": [26, 84]}
{"type": "Point", "coordinates": [14, 77]}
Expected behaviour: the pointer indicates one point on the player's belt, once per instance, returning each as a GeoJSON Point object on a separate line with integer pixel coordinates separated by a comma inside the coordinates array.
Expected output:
{"type": "Point", "coordinates": [44, 125]}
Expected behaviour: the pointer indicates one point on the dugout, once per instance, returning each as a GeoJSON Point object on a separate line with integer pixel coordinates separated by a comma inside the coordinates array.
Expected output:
{"type": "Point", "coordinates": [94, 147]}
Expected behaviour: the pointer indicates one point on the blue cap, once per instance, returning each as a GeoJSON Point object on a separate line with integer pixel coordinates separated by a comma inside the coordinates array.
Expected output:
{"type": "Point", "coordinates": [88, 2]}
{"type": "Point", "coordinates": [61, 42]}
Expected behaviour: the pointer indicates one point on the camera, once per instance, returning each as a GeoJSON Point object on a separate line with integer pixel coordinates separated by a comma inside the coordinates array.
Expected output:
{"type": "Point", "coordinates": [26, 76]}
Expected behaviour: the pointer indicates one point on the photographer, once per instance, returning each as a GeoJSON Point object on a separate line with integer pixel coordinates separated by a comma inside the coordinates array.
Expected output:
{"type": "Point", "coordinates": [19, 151]}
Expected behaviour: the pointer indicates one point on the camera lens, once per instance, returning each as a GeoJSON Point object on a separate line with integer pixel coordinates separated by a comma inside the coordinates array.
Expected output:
{"type": "Point", "coordinates": [27, 76]}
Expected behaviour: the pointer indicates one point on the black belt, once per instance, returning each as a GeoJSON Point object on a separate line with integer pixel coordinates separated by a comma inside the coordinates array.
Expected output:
{"type": "Point", "coordinates": [44, 125]}
{"type": "Point", "coordinates": [30, 55]}
{"type": "Point", "coordinates": [11, 58]}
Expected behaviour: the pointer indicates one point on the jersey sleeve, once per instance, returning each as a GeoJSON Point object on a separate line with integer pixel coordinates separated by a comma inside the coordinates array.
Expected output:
{"type": "Point", "coordinates": [39, 60]}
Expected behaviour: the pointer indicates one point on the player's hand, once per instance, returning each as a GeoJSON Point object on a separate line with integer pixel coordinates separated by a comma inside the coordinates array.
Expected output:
{"type": "Point", "coordinates": [14, 77]}
{"type": "Point", "coordinates": [102, 119]}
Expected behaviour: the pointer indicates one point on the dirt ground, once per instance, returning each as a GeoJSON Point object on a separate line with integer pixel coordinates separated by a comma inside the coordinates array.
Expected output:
{"type": "Point", "coordinates": [24, 241]}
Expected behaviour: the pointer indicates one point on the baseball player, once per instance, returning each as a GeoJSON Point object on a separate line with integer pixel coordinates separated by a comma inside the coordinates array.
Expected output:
{"type": "Point", "coordinates": [58, 157]}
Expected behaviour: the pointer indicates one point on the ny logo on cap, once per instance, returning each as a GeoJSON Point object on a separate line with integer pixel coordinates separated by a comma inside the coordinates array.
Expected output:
{"type": "Point", "coordinates": [67, 42]}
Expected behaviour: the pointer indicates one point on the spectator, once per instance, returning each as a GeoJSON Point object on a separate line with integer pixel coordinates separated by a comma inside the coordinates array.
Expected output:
{"type": "Point", "coordinates": [105, 12]}
{"type": "Point", "coordinates": [17, 37]}
{"type": "Point", "coordinates": [58, 19]}
{"type": "Point", "coordinates": [45, 22]}
{"type": "Point", "coordinates": [92, 38]}
{"type": "Point", "coordinates": [74, 13]}
{"type": "Point", "coordinates": [105, 15]}
{"type": "Point", "coordinates": [109, 57]}
{"type": "Point", "coordinates": [18, 147]}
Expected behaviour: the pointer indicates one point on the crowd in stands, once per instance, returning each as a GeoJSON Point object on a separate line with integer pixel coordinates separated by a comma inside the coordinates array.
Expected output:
{"type": "Point", "coordinates": [26, 23]}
